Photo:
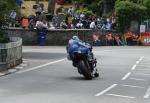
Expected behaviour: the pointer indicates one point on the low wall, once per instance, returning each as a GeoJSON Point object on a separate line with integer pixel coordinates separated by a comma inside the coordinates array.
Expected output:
{"type": "Point", "coordinates": [10, 53]}
{"type": "Point", "coordinates": [53, 37]}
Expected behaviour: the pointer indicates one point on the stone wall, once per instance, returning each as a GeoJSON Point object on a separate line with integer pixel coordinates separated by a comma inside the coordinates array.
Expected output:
{"type": "Point", "coordinates": [53, 37]}
{"type": "Point", "coordinates": [10, 53]}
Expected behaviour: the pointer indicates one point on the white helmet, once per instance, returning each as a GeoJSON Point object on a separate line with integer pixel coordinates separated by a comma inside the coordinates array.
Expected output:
{"type": "Point", "coordinates": [75, 38]}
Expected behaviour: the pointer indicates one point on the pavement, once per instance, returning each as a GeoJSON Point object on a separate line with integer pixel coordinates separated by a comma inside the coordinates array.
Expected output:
{"type": "Point", "coordinates": [46, 76]}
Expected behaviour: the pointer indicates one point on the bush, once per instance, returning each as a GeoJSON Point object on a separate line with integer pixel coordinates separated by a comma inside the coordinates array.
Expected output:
{"type": "Point", "coordinates": [4, 39]}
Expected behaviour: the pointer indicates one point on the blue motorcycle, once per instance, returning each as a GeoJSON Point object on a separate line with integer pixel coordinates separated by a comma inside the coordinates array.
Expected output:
{"type": "Point", "coordinates": [82, 58]}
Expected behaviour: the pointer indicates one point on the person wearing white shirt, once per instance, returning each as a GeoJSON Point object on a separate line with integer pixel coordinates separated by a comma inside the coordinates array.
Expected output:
{"type": "Point", "coordinates": [92, 25]}
{"type": "Point", "coordinates": [79, 25]}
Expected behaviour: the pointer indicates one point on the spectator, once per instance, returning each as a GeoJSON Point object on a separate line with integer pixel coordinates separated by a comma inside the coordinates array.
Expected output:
{"type": "Point", "coordinates": [40, 25]}
{"type": "Point", "coordinates": [114, 22]}
{"type": "Point", "coordinates": [38, 10]}
{"type": "Point", "coordinates": [25, 22]}
{"type": "Point", "coordinates": [63, 25]}
{"type": "Point", "coordinates": [79, 25]}
{"type": "Point", "coordinates": [92, 25]}
{"type": "Point", "coordinates": [109, 26]}
{"type": "Point", "coordinates": [82, 16]}
{"type": "Point", "coordinates": [117, 40]}
{"type": "Point", "coordinates": [13, 15]}
{"type": "Point", "coordinates": [55, 21]}
{"type": "Point", "coordinates": [31, 24]}
{"type": "Point", "coordinates": [71, 11]}
{"type": "Point", "coordinates": [51, 26]}
{"type": "Point", "coordinates": [19, 2]}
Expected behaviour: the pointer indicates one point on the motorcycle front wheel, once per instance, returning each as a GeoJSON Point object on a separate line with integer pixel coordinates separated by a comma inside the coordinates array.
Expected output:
{"type": "Point", "coordinates": [85, 69]}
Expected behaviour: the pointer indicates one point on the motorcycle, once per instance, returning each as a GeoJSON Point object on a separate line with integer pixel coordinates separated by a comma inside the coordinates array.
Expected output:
{"type": "Point", "coordinates": [85, 62]}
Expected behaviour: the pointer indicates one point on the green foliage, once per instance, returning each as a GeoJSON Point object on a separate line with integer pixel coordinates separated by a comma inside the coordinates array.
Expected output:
{"type": "Point", "coordinates": [147, 3]}
{"type": "Point", "coordinates": [128, 11]}
{"type": "Point", "coordinates": [6, 6]}
{"type": "Point", "coordinates": [85, 11]}
{"type": "Point", "coordinates": [95, 6]}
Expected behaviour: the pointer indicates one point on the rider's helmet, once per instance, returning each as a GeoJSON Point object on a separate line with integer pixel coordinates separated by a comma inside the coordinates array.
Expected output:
{"type": "Point", "coordinates": [75, 38]}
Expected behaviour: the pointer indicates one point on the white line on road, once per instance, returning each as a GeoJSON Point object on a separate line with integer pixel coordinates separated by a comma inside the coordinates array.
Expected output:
{"type": "Point", "coordinates": [137, 62]}
{"type": "Point", "coordinates": [147, 94]}
{"type": "Point", "coordinates": [106, 90]}
{"type": "Point", "coordinates": [141, 58]}
{"type": "Point", "coordinates": [23, 64]}
{"type": "Point", "coordinates": [34, 68]}
{"type": "Point", "coordinates": [1, 74]}
{"type": "Point", "coordinates": [18, 67]}
{"type": "Point", "coordinates": [120, 96]}
{"type": "Point", "coordinates": [133, 67]}
{"type": "Point", "coordinates": [126, 76]}
{"type": "Point", "coordinates": [133, 86]}
{"type": "Point", "coordinates": [137, 79]}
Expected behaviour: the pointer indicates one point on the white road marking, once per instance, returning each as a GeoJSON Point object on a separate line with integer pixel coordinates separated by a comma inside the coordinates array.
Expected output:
{"type": "Point", "coordinates": [144, 74]}
{"type": "Point", "coordinates": [40, 66]}
{"type": "Point", "coordinates": [137, 79]}
{"type": "Point", "coordinates": [23, 64]}
{"type": "Point", "coordinates": [141, 58]}
{"type": "Point", "coordinates": [133, 67]}
{"type": "Point", "coordinates": [12, 70]}
{"type": "Point", "coordinates": [106, 90]}
{"type": "Point", "coordinates": [18, 67]}
{"type": "Point", "coordinates": [1, 74]}
{"type": "Point", "coordinates": [126, 76]}
{"type": "Point", "coordinates": [25, 61]}
{"type": "Point", "coordinates": [147, 94]}
{"type": "Point", "coordinates": [133, 86]}
{"type": "Point", "coordinates": [137, 62]}
{"type": "Point", "coordinates": [120, 96]}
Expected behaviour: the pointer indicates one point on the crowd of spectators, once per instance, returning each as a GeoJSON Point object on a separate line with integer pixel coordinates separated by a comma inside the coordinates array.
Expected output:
{"type": "Point", "coordinates": [70, 20]}
{"type": "Point", "coordinates": [73, 20]}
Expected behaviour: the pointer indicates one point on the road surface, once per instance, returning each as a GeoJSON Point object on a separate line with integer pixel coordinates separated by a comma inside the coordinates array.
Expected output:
{"type": "Point", "coordinates": [46, 76]}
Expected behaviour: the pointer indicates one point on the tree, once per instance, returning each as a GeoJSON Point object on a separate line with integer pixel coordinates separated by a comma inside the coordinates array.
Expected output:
{"type": "Point", "coordinates": [100, 7]}
{"type": "Point", "coordinates": [6, 6]}
{"type": "Point", "coordinates": [51, 6]}
{"type": "Point", "coordinates": [146, 3]}
{"type": "Point", "coordinates": [128, 11]}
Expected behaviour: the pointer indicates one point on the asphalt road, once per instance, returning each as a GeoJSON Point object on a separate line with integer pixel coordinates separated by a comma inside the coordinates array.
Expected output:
{"type": "Point", "coordinates": [46, 76]}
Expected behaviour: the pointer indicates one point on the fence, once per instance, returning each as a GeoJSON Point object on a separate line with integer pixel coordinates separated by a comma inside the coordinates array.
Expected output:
{"type": "Point", "coordinates": [11, 53]}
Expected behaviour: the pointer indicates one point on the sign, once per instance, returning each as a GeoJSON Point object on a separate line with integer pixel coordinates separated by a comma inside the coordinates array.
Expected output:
{"type": "Point", "coordinates": [147, 21]}
{"type": "Point", "coordinates": [142, 28]}
{"type": "Point", "coordinates": [145, 38]}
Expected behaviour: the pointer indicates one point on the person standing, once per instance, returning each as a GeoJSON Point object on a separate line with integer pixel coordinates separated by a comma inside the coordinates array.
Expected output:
{"type": "Point", "coordinates": [20, 2]}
